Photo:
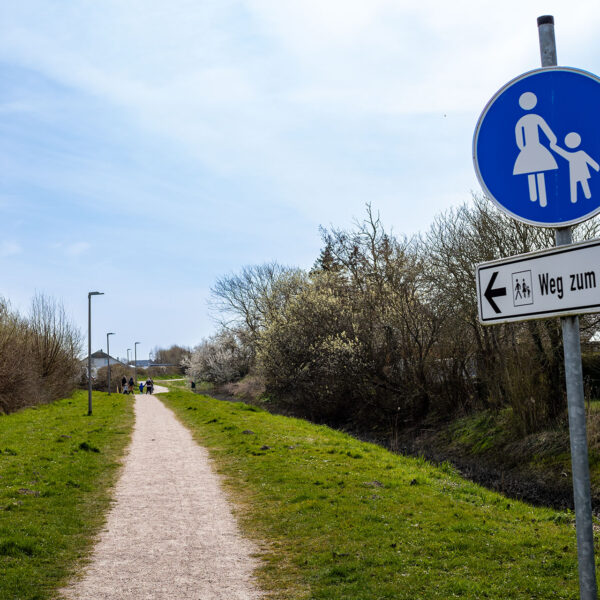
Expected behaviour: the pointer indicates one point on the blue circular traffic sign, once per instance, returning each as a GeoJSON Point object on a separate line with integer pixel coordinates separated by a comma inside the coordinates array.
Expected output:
{"type": "Point", "coordinates": [536, 147]}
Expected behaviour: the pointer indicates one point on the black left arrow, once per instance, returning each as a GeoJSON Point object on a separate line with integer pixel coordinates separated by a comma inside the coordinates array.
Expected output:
{"type": "Point", "coordinates": [490, 293]}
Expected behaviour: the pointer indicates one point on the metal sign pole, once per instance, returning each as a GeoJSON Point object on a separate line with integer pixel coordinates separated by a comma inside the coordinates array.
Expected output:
{"type": "Point", "coordinates": [89, 353]}
{"type": "Point", "coordinates": [575, 398]}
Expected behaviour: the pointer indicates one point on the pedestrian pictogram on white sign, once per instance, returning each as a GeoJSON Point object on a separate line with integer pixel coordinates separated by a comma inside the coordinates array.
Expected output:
{"type": "Point", "coordinates": [521, 285]}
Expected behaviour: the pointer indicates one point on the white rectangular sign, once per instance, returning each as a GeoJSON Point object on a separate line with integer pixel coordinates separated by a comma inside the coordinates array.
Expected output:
{"type": "Point", "coordinates": [556, 282]}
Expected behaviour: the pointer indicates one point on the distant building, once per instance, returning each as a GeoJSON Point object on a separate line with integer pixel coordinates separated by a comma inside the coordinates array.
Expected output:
{"type": "Point", "coordinates": [142, 363]}
{"type": "Point", "coordinates": [100, 359]}
{"type": "Point", "coordinates": [145, 364]}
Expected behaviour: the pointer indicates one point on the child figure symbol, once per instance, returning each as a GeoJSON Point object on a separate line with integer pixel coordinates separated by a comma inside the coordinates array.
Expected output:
{"type": "Point", "coordinates": [534, 158]}
{"type": "Point", "coordinates": [579, 163]}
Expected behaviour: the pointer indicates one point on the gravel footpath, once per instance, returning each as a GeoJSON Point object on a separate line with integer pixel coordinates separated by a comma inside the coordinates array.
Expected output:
{"type": "Point", "coordinates": [170, 533]}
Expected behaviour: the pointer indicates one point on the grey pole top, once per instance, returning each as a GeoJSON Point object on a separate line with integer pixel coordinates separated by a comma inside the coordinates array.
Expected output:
{"type": "Point", "coordinates": [547, 40]}
{"type": "Point", "coordinates": [548, 57]}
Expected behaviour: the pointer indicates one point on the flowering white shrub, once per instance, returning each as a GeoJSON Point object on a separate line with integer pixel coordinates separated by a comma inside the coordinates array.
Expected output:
{"type": "Point", "coordinates": [219, 359]}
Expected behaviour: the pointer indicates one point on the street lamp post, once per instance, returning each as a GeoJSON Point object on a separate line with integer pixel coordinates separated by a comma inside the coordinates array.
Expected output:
{"type": "Point", "coordinates": [108, 359]}
{"type": "Point", "coordinates": [128, 359]}
{"type": "Point", "coordinates": [135, 361]}
{"type": "Point", "coordinates": [90, 294]}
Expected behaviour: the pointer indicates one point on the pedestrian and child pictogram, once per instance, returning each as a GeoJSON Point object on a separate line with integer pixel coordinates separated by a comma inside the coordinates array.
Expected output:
{"type": "Point", "coordinates": [536, 147]}
{"type": "Point", "coordinates": [522, 288]}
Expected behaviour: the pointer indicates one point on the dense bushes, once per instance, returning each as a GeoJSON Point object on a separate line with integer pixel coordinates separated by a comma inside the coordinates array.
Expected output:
{"type": "Point", "coordinates": [383, 332]}
{"type": "Point", "coordinates": [38, 355]}
{"type": "Point", "coordinates": [310, 356]}
{"type": "Point", "coordinates": [591, 373]}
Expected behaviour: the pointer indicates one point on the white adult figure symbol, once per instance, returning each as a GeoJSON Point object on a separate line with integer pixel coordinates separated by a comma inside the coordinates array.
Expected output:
{"type": "Point", "coordinates": [534, 159]}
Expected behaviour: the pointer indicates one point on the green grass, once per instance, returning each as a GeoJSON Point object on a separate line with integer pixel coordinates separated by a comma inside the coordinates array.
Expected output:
{"type": "Point", "coordinates": [340, 519]}
{"type": "Point", "coordinates": [56, 468]}
{"type": "Point", "coordinates": [480, 432]}
{"type": "Point", "coordinates": [175, 384]}
{"type": "Point", "coordinates": [204, 386]}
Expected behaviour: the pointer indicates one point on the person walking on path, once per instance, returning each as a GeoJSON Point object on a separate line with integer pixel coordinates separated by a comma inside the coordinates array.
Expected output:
{"type": "Point", "coordinates": [170, 532]}
{"type": "Point", "coordinates": [141, 387]}
{"type": "Point", "coordinates": [123, 383]}
{"type": "Point", "coordinates": [149, 386]}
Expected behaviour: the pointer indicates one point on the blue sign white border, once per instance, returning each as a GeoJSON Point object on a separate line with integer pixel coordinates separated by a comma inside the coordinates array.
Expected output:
{"type": "Point", "coordinates": [487, 192]}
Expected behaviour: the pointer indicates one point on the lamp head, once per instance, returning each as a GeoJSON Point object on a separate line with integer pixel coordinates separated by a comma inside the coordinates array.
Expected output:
{"type": "Point", "coordinates": [95, 293]}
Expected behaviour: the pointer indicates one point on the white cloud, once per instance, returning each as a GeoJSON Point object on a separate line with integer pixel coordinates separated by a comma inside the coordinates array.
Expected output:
{"type": "Point", "coordinates": [187, 71]}
{"type": "Point", "coordinates": [72, 249]}
{"type": "Point", "coordinates": [251, 88]}
{"type": "Point", "coordinates": [77, 248]}
{"type": "Point", "coordinates": [8, 248]}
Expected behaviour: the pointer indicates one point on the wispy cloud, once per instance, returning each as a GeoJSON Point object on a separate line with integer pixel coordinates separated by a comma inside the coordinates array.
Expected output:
{"type": "Point", "coordinates": [233, 81]}
{"type": "Point", "coordinates": [77, 248]}
{"type": "Point", "coordinates": [10, 249]}
{"type": "Point", "coordinates": [72, 249]}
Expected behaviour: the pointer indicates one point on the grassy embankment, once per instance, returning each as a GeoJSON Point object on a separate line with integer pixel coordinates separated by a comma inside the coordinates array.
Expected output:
{"type": "Point", "coordinates": [168, 377]}
{"type": "Point", "coordinates": [177, 382]}
{"type": "Point", "coordinates": [56, 469]}
{"type": "Point", "coordinates": [348, 520]}
{"type": "Point", "coordinates": [183, 383]}
{"type": "Point", "coordinates": [543, 457]}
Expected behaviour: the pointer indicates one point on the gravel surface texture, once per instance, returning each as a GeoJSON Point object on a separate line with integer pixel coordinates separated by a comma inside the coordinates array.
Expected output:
{"type": "Point", "coordinates": [170, 533]}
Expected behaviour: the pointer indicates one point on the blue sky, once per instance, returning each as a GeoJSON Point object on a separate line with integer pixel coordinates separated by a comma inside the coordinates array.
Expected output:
{"type": "Point", "coordinates": [154, 146]}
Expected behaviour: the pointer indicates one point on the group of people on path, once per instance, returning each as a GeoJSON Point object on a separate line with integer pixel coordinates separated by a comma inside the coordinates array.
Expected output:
{"type": "Point", "coordinates": [128, 387]}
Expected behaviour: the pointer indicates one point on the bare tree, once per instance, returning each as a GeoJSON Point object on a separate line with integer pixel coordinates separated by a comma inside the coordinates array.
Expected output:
{"type": "Point", "coordinates": [251, 297]}
{"type": "Point", "coordinates": [174, 355]}
{"type": "Point", "coordinates": [39, 356]}
{"type": "Point", "coordinates": [55, 344]}
{"type": "Point", "coordinates": [457, 241]}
